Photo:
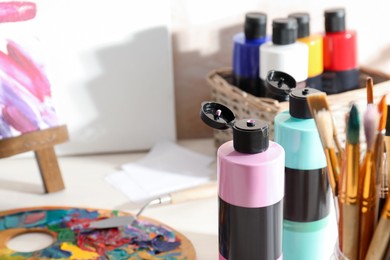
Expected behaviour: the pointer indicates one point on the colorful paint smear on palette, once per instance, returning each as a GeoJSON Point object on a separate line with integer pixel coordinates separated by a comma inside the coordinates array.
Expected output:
{"type": "Point", "coordinates": [142, 240]}
{"type": "Point", "coordinates": [25, 91]}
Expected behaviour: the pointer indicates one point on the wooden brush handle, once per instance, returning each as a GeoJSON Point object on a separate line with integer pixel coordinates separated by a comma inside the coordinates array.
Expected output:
{"type": "Point", "coordinates": [330, 159]}
{"type": "Point", "coordinates": [387, 253]}
{"type": "Point", "coordinates": [379, 241]}
{"type": "Point", "coordinates": [387, 146]}
{"type": "Point", "coordinates": [200, 192]}
{"type": "Point", "coordinates": [350, 231]}
{"type": "Point", "coordinates": [367, 221]}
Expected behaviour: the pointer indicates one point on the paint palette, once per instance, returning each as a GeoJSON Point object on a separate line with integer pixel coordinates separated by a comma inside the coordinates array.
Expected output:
{"type": "Point", "coordinates": [144, 239]}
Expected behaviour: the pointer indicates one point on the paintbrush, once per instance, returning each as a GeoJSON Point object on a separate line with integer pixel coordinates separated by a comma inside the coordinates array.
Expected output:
{"type": "Point", "coordinates": [379, 246]}
{"type": "Point", "coordinates": [379, 155]}
{"type": "Point", "coordinates": [318, 102]}
{"type": "Point", "coordinates": [348, 188]}
{"type": "Point", "coordinates": [384, 185]}
{"type": "Point", "coordinates": [319, 109]}
{"type": "Point", "coordinates": [323, 119]}
{"type": "Point", "coordinates": [370, 90]}
{"type": "Point", "coordinates": [367, 182]}
{"type": "Point", "coordinates": [387, 254]}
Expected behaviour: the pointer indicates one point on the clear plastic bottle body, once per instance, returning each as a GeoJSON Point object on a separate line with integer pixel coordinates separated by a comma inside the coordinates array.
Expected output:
{"type": "Point", "coordinates": [337, 254]}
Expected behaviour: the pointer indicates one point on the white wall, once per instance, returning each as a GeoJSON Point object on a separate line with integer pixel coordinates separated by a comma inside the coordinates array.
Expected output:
{"type": "Point", "coordinates": [200, 22]}
{"type": "Point", "coordinates": [203, 32]}
{"type": "Point", "coordinates": [110, 65]}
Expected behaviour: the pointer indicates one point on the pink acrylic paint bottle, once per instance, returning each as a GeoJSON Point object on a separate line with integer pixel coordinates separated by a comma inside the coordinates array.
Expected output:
{"type": "Point", "coordinates": [250, 187]}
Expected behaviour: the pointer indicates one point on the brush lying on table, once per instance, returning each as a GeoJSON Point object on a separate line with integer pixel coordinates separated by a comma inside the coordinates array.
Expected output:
{"type": "Point", "coordinates": [204, 191]}
{"type": "Point", "coordinates": [358, 177]}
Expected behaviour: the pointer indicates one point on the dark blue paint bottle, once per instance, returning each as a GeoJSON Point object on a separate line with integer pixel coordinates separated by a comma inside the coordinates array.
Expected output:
{"type": "Point", "coordinates": [246, 54]}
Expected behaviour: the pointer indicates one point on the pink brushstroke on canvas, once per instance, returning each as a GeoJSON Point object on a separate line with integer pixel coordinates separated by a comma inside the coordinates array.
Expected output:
{"type": "Point", "coordinates": [25, 91]}
{"type": "Point", "coordinates": [18, 120]}
{"type": "Point", "coordinates": [16, 11]}
{"type": "Point", "coordinates": [40, 86]}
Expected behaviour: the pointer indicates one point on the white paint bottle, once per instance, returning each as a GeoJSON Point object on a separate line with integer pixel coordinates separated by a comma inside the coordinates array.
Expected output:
{"type": "Point", "coordinates": [284, 53]}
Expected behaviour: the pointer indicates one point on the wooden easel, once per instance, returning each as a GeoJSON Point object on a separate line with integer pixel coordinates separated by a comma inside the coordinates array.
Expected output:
{"type": "Point", "coordinates": [42, 143]}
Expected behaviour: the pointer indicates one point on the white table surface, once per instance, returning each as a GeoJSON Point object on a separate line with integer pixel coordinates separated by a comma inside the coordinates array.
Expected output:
{"type": "Point", "coordinates": [21, 186]}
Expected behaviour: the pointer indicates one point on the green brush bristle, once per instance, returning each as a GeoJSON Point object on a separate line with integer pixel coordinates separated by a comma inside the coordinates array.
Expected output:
{"type": "Point", "coordinates": [353, 126]}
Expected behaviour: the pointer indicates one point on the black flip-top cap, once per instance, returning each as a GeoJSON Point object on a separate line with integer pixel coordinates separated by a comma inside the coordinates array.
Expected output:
{"type": "Point", "coordinates": [299, 107]}
{"type": "Point", "coordinates": [334, 20]}
{"type": "Point", "coordinates": [250, 136]}
{"type": "Point", "coordinates": [284, 31]}
{"type": "Point", "coordinates": [255, 25]}
{"type": "Point", "coordinates": [388, 121]}
{"type": "Point", "coordinates": [278, 85]}
{"type": "Point", "coordinates": [216, 115]}
{"type": "Point", "coordinates": [303, 20]}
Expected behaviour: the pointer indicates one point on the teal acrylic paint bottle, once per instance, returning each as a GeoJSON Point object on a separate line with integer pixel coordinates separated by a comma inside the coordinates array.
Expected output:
{"type": "Point", "coordinates": [307, 193]}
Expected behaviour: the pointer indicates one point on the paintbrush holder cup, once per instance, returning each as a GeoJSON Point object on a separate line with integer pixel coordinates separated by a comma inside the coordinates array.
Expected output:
{"type": "Point", "coordinates": [337, 254]}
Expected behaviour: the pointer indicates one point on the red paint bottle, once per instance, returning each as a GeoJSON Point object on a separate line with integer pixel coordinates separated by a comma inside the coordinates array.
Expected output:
{"type": "Point", "coordinates": [339, 54]}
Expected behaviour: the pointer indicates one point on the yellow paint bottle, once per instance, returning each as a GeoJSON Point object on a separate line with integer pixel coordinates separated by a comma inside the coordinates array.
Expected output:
{"type": "Point", "coordinates": [314, 43]}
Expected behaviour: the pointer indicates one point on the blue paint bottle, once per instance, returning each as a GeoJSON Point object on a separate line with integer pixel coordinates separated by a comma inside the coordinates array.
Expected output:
{"type": "Point", "coordinates": [307, 192]}
{"type": "Point", "coordinates": [246, 54]}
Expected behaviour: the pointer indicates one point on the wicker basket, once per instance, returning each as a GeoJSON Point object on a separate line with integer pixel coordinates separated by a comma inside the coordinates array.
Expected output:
{"type": "Point", "coordinates": [245, 105]}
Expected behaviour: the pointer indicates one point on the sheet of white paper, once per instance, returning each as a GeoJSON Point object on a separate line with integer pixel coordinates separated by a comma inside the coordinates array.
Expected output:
{"type": "Point", "coordinates": [168, 167]}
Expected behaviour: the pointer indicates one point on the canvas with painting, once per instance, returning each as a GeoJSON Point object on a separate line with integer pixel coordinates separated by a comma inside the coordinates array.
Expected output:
{"type": "Point", "coordinates": [25, 91]}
